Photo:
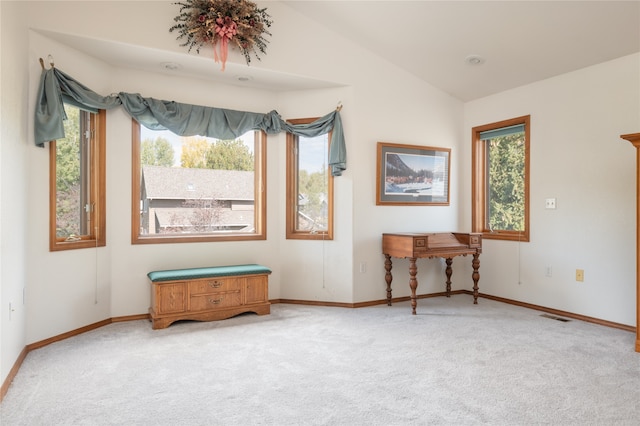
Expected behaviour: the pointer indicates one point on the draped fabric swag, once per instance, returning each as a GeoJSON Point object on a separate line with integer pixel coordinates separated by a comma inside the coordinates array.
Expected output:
{"type": "Point", "coordinates": [181, 119]}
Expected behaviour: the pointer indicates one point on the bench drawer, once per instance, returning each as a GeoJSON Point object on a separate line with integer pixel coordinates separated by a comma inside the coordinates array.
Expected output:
{"type": "Point", "coordinates": [215, 301]}
{"type": "Point", "coordinates": [213, 285]}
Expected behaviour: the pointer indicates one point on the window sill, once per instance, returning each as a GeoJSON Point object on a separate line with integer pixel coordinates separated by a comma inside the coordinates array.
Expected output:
{"type": "Point", "coordinates": [505, 236]}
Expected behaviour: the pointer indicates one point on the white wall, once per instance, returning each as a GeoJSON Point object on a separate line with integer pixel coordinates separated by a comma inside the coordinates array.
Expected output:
{"type": "Point", "coordinates": [578, 158]}
{"type": "Point", "coordinates": [317, 270]}
{"type": "Point", "coordinates": [130, 263]}
{"type": "Point", "coordinates": [75, 288]}
{"type": "Point", "coordinates": [576, 121]}
{"type": "Point", "coordinates": [70, 289]}
{"type": "Point", "coordinates": [14, 173]}
{"type": "Point", "coordinates": [404, 111]}
{"type": "Point", "coordinates": [66, 289]}
{"type": "Point", "coordinates": [381, 103]}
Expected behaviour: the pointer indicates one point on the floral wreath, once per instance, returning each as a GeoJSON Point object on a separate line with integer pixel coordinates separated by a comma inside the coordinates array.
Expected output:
{"type": "Point", "coordinates": [218, 22]}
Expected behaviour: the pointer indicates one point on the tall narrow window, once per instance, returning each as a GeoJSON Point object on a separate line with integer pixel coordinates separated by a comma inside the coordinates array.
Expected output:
{"type": "Point", "coordinates": [77, 182]}
{"type": "Point", "coordinates": [309, 186]}
{"type": "Point", "coordinates": [191, 189]}
{"type": "Point", "coordinates": [500, 174]}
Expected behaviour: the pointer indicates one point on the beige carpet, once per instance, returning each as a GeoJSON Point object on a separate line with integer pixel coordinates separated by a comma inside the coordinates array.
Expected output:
{"type": "Point", "coordinates": [452, 364]}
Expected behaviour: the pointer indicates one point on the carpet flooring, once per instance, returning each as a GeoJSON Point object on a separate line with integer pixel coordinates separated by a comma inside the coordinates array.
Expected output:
{"type": "Point", "coordinates": [454, 363]}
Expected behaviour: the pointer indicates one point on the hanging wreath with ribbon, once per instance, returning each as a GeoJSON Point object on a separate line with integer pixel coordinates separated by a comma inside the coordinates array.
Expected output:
{"type": "Point", "coordinates": [221, 22]}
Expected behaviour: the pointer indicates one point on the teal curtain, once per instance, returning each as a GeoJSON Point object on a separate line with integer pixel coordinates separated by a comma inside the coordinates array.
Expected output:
{"type": "Point", "coordinates": [181, 119]}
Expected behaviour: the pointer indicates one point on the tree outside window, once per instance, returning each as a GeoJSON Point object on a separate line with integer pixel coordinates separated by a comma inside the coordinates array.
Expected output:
{"type": "Point", "coordinates": [501, 179]}
{"type": "Point", "coordinates": [77, 182]}
{"type": "Point", "coordinates": [309, 186]}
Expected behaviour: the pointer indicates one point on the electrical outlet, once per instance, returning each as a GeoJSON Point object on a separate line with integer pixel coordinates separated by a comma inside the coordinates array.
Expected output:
{"type": "Point", "coordinates": [363, 267]}
{"type": "Point", "coordinates": [580, 275]}
{"type": "Point", "coordinates": [550, 203]}
{"type": "Point", "coordinates": [548, 271]}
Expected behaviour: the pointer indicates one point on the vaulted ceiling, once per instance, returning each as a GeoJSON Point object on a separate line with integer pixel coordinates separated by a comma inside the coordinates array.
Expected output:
{"type": "Point", "coordinates": [515, 42]}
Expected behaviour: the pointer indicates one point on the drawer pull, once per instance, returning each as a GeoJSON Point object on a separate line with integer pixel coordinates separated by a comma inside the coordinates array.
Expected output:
{"type": "Point", "coordinates": [215, 284]}
{"type": "Point", "coordinates": [215, 301]}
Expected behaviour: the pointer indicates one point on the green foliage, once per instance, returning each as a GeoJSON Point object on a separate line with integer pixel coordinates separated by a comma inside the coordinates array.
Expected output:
{"type": "Point", "coordinates": [156, 152]}
{"type": "Point", "coordinates": [507, 183]}
{"type": "Point", "coordinates": [68, 152]}
{"type": "Point", "coordinates": [229, 155]}
{"type": "Point", "coordinates": [68, 209]}
{"type": "Point", "coordinates": [314, 186]}
{"type": "Point", "coordinates": [221, 155]}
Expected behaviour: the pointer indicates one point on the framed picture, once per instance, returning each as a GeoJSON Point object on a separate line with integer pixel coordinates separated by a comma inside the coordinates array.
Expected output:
{"type": "Point", "coordinates": [412, 175]}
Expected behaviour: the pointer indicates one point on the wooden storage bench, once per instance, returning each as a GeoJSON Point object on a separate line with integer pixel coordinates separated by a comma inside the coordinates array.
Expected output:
{"type": "Point", "coordinates": [207, 294]}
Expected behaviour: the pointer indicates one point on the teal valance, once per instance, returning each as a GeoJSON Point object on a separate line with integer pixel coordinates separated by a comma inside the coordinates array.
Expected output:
{"type": "Point", "coordinates": [503, 131]}
{"type": "Point", "coordinates": [181, 119]}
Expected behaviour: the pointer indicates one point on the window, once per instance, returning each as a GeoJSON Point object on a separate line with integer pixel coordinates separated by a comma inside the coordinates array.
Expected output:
{"type": "Point", "coordinates": [191, 189]}
{"type": "Point", "coordinates": [77, 182]}
{"type": "Point", "coordinates": [309, 186]}
{"type": "Point", "coordinates": [500, 179]}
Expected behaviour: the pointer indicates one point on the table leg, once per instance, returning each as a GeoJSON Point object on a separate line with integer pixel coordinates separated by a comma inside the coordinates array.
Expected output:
{"type": "Point", "coordinates": [388, 277]}
{"type": "Point", "coordinates": [449, 271]}
{"type": "Point", "coordinates": [476, 276]}
{"type": "Point", "coordinates": [413, 282]}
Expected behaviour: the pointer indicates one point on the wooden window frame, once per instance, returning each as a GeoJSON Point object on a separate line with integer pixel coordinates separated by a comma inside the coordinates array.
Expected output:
{"type": "Point", "coordinates": [260, 202]}
{"type": "Point", "coordinates": [479, 185]}
{"type": "Point", "coordinates": [292, 232]}
{"type": "Point", "coordinates": [96, 237]}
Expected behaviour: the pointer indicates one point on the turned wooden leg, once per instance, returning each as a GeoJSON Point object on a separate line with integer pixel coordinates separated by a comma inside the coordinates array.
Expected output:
{"type": "Point", "coordinates": [413, 283]}
{"type": "Point", "coordinates": [449, 271]}
{"type": "Point", "coordinates": [388, 277]}
{"type": "Point", "coordinates": [476, 276]}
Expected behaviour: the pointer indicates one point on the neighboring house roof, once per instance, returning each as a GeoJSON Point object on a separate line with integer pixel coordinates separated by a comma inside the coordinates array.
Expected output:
{"type": "Point", "coordinates": [184, 183]}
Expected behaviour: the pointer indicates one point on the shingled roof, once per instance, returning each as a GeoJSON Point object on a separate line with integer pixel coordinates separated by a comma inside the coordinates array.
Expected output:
{"type": "Point", "coordinates": [184, 183]}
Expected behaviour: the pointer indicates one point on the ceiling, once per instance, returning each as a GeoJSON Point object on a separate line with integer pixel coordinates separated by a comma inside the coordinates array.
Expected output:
{"type": "Point", "coordinates": [517, 42]}
{"type": "Point", "coordinates": [184, 65]}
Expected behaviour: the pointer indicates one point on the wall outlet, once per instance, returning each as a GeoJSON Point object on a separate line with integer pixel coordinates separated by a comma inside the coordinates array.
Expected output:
{"type": "Point", "coordinates": [580, 275]}
{"type": "Point", "coordinates": [363, 267]}
{"type": "Point", "coordinates": [547, 271]}
{"type": "Point", "coordinates": [550, 203]}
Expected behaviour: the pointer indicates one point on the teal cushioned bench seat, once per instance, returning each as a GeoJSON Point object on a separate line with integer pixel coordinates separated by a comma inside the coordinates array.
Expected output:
{"type": "Point", "coordinates": [207, 272]}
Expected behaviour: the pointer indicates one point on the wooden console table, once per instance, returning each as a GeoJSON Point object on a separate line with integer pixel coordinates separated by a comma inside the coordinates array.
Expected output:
{"type": "Point", "coordinates": [446, 245]}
